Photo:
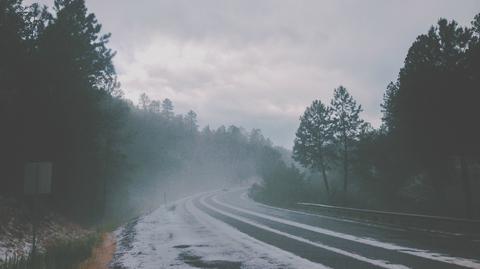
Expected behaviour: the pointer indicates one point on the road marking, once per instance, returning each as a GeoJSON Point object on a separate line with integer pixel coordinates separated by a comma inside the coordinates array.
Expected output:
{"type": "Point", "coordinates": [379, 263]}
{"type": "Point", "coordinates": [253, 243]}
{"type": "Point", "coordinates": [437, 233]}
{"type": "Point", "coordinates": [469, 263]}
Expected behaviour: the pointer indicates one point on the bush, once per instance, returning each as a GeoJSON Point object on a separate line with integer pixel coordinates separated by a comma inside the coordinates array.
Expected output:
{"type": "Point", "coordinates": [62, 255]}
{"type": "Point", "coordinates": [282, 185]}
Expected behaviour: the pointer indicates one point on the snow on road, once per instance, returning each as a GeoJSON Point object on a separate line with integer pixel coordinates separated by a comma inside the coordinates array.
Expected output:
{"type": "Point", "coordinates": [182, 236]}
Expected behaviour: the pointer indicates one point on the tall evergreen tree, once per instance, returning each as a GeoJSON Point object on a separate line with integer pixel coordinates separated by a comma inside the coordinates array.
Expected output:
{"type": "Point", "coordinates": [167, 108]}
{"type": "Point", "coordinates": [440, 72]}
{"type": "Point", "coordinates": [312, 137]}
{"type": "Point", "coordinates": [191, 121]}
{"type": "Point", "coordinates": [77, 70]}
{"type": "Point", "coordinates": [144, 102]}
{"type": "Point", "coordinates": [346, 125]}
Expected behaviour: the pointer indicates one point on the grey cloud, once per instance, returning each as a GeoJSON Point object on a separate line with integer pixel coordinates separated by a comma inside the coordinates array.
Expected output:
{"type": "Point", "coordinates": [259, 63]}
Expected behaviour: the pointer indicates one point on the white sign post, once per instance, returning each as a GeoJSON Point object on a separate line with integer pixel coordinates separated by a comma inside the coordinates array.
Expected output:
{"type": "Point", "coordinates": [37, 180]}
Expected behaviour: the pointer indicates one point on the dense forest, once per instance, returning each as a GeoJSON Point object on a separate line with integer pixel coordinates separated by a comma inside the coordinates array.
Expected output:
{"type": "Point", "coordinates": [61, 102]}
{"type": "Point", "coordinates": [425, 155]}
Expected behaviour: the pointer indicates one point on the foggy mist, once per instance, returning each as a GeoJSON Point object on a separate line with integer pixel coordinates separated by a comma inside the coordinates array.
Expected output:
{"type": "Point", "coordinates": [212, 134]}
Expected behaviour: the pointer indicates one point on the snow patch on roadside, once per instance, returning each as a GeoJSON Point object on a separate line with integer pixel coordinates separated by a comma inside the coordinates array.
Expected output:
{"type": "Point", "coordinates": [16, 229]}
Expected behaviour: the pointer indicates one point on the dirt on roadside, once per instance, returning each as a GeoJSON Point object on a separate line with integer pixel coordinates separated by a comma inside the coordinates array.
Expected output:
{"type": "Point", "coordinates": [101, 254]}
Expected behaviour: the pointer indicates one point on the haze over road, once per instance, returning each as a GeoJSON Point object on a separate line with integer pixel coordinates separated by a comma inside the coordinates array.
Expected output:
{"type": "Point", "coordinates": [264, 234]}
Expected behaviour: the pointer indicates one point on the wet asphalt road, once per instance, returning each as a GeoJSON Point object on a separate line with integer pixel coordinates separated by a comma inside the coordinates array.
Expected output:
{"type": "Point", "coordinates": [340, 243]}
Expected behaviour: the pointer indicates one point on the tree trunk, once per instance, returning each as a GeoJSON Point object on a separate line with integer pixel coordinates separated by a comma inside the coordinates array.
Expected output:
{"type": "Point", "coordinates": [466, 186]}
{"type": "Point", "coordinates": [105, 175]}
{"type": "Point", "coordinates": [345, 166]}
{"type": "Point", "coordinates": [325, 180]}
{"type": "Point", "coordinates": [438, 173]}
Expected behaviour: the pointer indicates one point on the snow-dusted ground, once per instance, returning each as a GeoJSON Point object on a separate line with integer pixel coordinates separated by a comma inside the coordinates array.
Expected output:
{"type": "Point", "coordinates": [181, 236]}
{"type": "Point", "coordinates": [16, 229]}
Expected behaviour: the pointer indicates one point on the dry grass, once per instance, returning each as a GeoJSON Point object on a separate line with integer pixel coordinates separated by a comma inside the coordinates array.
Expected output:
{"type": "Point", "coordinates": [101, 254]}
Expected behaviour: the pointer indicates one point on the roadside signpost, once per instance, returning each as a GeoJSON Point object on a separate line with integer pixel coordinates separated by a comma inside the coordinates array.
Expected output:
{"type": "Point", "coordinates": [37, 180]}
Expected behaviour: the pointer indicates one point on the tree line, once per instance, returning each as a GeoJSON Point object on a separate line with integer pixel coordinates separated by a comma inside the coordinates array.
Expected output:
{"type": "Point", "coordinates": [425, 155]}
{"type": "Point", "coordinates": [60, 101]}
{"type": "Point", "coordinates": [112, 158]}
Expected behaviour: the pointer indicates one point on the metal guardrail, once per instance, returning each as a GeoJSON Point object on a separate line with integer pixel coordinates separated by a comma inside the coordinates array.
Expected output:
{"type": "Point", "coordinates": [417, 221]}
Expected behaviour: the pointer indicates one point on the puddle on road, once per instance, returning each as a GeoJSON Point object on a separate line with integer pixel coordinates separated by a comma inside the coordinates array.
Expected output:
{"type": "Point", "coordinates": [197, 261]}
{"type": "Point", "coordinates": [187, 246]}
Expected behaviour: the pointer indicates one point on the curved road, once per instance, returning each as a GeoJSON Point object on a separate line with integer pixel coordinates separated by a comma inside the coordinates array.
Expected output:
{"type": "Point", "coordinates": [339, 243]}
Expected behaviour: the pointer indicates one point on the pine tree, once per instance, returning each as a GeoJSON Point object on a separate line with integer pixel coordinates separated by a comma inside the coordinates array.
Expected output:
{"type": "Point", "coordinates": [191, 121]}
{"type": "Point", "coordinates": [312, 137]}
{"type": "Point", "coordinates": [346, 125]}
{"type": "Point", "coordinates": [144, 102]}
{"type": "Point", "coordinates": [167, 108]}
{"type": "Point", "coordinates": [435, 103]}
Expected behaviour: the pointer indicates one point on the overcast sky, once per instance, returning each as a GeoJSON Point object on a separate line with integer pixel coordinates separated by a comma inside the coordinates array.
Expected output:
{"type": "Point", "coordinates": [259, 63]}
